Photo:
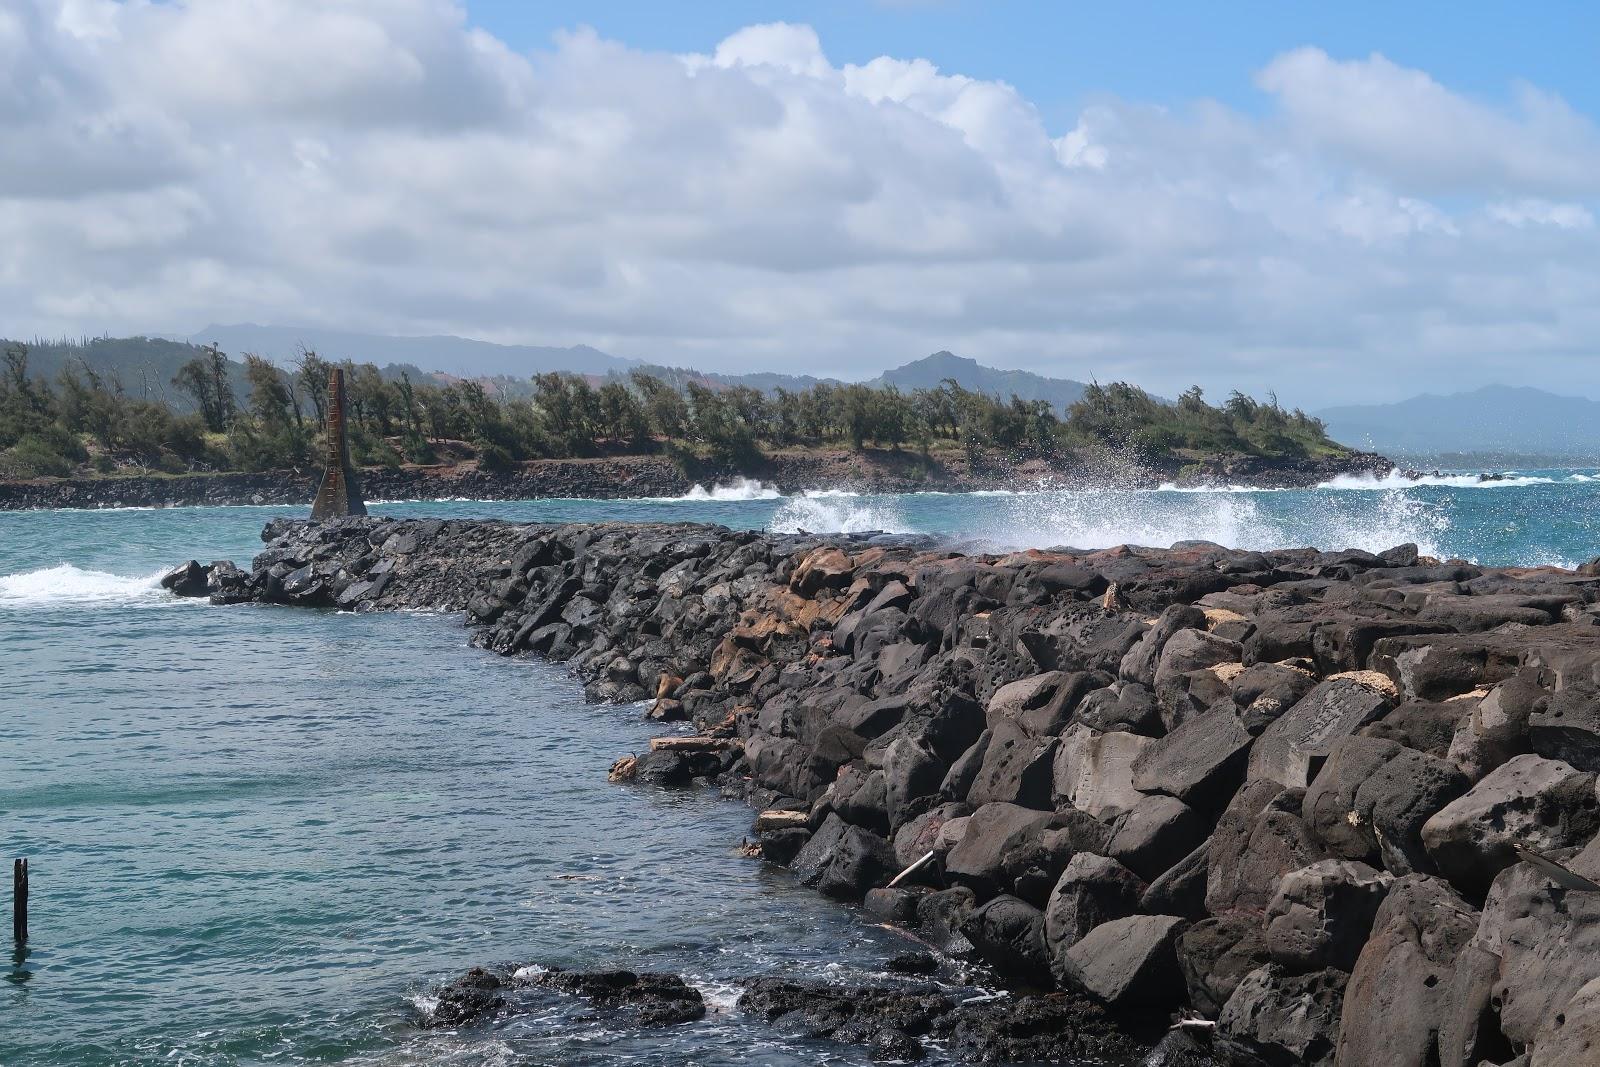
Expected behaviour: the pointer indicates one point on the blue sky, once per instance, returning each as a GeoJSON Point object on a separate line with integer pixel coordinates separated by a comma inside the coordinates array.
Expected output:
{"type": "Point", "coordinates": [1060, 54]}
{"type": "Point", "coordinates": [1339, 202]}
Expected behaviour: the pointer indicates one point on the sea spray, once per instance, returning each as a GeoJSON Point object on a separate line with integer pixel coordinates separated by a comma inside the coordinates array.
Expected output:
{"type": "Point", "coordinates": [65, 584]}
{"type": "Point", "coordinates": [738, 489]}
{"type": "Point", "coordinates": [1237, 520]}
{"type": "Point", "coordinates": [1397, 480]}
{"type": "Point", "coordinates": [843, 513]}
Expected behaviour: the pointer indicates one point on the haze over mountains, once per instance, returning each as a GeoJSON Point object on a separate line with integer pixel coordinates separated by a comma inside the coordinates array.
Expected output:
{"type": "Point", "coordinates": [460, 356]}
{"type": "Point", "coordinates": [464, 357]}
{"type": "Point", "coordinates": [1510, 422]}
{"type": "Point", "coordinates": [1513, 422]}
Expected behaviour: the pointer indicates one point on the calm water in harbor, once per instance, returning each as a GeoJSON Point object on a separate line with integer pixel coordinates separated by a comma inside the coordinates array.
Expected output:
{"type": "Point", "coordinates": [260, 835]}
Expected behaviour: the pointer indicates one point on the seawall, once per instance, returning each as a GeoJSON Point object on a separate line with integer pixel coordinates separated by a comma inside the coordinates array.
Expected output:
{"type": "Point", "coordinates": [1287, 792]}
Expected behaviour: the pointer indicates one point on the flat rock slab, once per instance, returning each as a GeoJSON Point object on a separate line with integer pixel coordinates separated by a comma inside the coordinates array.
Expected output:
{"type": "Point", "coordinates": [1200, 762]}
{"type": "Point", "coordinates": [1291, 750]}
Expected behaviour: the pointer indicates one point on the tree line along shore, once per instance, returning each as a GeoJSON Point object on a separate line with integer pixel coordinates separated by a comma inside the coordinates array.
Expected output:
{"type": "Point", "coordinates": [86, 422]}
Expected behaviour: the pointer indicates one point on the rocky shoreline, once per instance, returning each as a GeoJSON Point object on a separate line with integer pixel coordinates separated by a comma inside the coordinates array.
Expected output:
{"type": "Point", "coordinates": [1336, 808]}
{"type": "Point", "coordinates": [657, 476]}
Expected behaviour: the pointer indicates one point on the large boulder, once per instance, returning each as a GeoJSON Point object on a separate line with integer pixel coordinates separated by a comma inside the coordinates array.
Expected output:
{"type": "Point", "coordinates": [1571, 1035]}
{"type": "Point", "coordinates": [1093, 771]}
{"type": "Point", "coordinates": [1372, 797]}
{"type": "Point", "coordinates": [1182, 889]}
{"type": "Point", "coordinates": [862, 860]}
{"type": "Point", "coordinates": [1009, 934]}
{"type": "Point", "coordinates": [1424, 725]}
{"type": "Point", "coordinates": [858, 796]}
{"type": "Point", "coordinates": [1258, 840]}
{"type": "Point", "coordinates": [844, 861]}
{"type": "Point", "coordinates": [1154, 834]}
{"type": "Point", "coordinates": [922, 834]}
{"type": "Point", "coordinates": [1496, 727]}
{"type": "Point", "coordinates": [1200, 763]}
{"type": "Point", "coordinates": [1566, 726]}
{"type": "Point", "coordinates": [911, 777]}
{"type": "Point", "coordinates": [1321, 915]}
{"type": "Point", "coordinates": [187, 579]}
{"type": "Point", "coordinates": [1034, 860]}
{"type": "Point", "coordinates": [1264, 691]}
{"type": "Point", "coordinates": [1215, 954]}
{"type": "Point", "coordinates": [1530, 801]}
{"type": "Point", "coordinates": [1438, 666]}
{"type": "Point", "coordinates": [1039, 704]}
{"type": "Point", "coordinates": [1469, 1025]}
{"type": "Point", "coordinates": [1548, 940]}
{"type": "Point", "coordinates": [1287, 1020]}
{"type": "Point", "coordinates": [1016, 769]}
{"type": "Point", "coordinates": [1292, 748]}
{"type": "Point", "coordinates": [1129, 962]}
{"type": "Point", "coordinates": [1398, 992]}
{"type": "Point", "coordinates": [1121, 706]}
{"type": "Point", "coordinates": [1182, 686]}
{"type": "Point", "coordinates": [977, 861]}
{"type": "Point", "coordinates": [1143, 659]}
{"type": "Point", "coordinates": [1092, 890]}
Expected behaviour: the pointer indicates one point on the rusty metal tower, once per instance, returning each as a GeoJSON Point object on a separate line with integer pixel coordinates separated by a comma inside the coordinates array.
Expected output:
{"type": "Point", "coordinates": [340, 493]}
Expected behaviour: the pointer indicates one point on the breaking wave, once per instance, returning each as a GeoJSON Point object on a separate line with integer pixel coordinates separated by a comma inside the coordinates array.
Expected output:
{"type": "Point", "coordinates": [738, 489]}
{"type": "Point", "coordinates": [842, 513]}
{"type": "Point", "coordinates": [66, 584]}
{"type": "Point", "coordinates": [1237, 520]}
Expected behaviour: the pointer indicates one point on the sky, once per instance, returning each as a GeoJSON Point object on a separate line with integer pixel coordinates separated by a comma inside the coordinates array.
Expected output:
{"type": "Point", "coordinates": [1338, 203]}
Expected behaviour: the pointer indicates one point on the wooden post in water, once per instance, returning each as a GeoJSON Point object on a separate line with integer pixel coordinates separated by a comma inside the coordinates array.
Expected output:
{"type": "Point", "coordinates": [19, 900]}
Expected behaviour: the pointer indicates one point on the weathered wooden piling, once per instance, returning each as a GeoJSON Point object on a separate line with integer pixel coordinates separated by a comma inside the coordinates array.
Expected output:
{"type": "Point", "coordinates": [19, 900]}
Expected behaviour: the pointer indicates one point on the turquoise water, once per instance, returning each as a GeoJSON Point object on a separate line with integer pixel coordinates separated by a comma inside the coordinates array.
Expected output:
{"type": "Point", "coordinates": [260, 835]}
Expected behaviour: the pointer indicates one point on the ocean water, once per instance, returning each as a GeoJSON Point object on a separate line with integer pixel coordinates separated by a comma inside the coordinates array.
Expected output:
{"type": "Point", "coordinates": [261, 835]}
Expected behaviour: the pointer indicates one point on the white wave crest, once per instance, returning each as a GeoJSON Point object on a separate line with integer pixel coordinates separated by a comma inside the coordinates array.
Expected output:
{"type": "Point", "coordinates": [1397, 480]}
{"type": "Point", "coordinates": [1173, 487]}
{"type": "Point", "coordinates": [66, 584]}
{"type": "Point", "coordinates": [1237, 520]}
{"type": "Point", "coordinates": [738, 489]}
{"type": "Point", "coordinates": [818, 514]}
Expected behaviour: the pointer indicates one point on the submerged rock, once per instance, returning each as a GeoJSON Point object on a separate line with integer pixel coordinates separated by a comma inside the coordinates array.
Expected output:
{"type": "Point", "coordinates": [649, 998]}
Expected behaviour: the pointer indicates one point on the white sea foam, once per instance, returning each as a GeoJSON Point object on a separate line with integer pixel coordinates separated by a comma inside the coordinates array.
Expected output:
{"type": "Point", "coordinates": [1397, 480]}
{"type": "Point", "coordinates": [1173, 487]}
{"type": "Point", "coordinates": [820, 514]}
{"type": "Point", "coordinates": [1237, 520]}
{"type": "Point", "coordinates": [738, 489]}
{"type": "Point", "coordinates": [66, 584]}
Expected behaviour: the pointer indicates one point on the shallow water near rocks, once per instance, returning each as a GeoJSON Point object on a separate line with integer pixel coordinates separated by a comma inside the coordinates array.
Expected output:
{"type": "Point", "coordinates": [262, 835]}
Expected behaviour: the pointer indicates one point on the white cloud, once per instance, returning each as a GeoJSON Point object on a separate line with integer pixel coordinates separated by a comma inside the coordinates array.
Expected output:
{"type": "Point", "coordinates": [1406, 127]}
{"type": "Point", "coordinates": [1532, 212]}
{"type": "Point", "coordinates": [380, 165]}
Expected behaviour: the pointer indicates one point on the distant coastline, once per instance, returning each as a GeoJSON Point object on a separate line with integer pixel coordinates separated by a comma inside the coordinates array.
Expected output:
{"type": "Point", "coordinates": [621, 477]}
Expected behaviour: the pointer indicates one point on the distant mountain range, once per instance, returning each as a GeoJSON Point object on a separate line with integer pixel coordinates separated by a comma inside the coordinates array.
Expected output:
{"type": "Point", "coordinates": [1512, 422]}
{"type": "Point", "coordinates": [928, 372]}
{"type": "Point", "coordinates": [925, 373]}
{"type": "Point", "coordinates": [462, 357]}
{"type": "Point", "coordinates": [458, 356]}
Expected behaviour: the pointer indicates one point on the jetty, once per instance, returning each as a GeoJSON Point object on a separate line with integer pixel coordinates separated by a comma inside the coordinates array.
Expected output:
{"type": "Point", "coordinates": [1314, 807]}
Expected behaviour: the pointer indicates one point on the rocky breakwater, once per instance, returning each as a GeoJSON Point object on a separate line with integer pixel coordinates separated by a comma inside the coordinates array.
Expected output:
{"type": "Point", "coordinates": [1339, 806]}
